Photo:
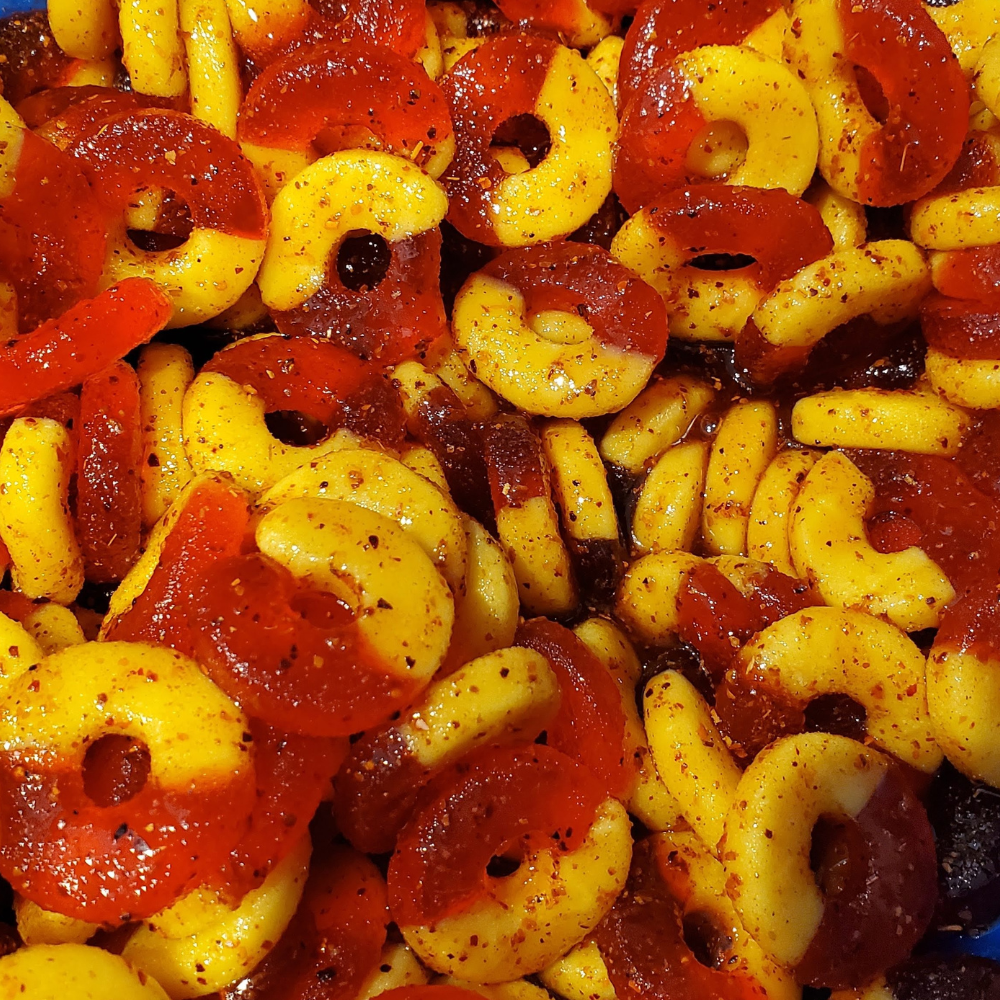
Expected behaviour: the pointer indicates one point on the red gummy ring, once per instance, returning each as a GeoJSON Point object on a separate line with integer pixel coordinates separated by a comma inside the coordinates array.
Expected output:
{"type": "Point", "coordinates": [211, 523]}
{"type": "Point", "coordinates": [780, 232]}
{"type": "Point", "coordinates": [101, 819]}
{"type": "Point", "coordinates": [497, 82]}
{"type": "Point", "coordinates": [879, 906]}
{"type": "Point", "coordinates": [643, 941]}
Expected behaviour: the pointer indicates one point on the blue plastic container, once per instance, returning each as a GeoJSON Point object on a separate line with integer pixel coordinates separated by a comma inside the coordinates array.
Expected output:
{"type": "Point", "coordinates": [13, 6]}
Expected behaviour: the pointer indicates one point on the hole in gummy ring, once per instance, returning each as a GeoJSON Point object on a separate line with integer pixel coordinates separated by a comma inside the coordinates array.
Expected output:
{"type": "Point", "coordinates": [158, 220]}
{"type": "Point", "coordinates": [524, 134]}
{"type": "Point", "coordinates": [295, 428]}
{"type": "Point", "coordinates": [502, 866]}
{"type": "Point", "coordinates": [872, 95]}
{"type": "Point", "coordinates": [837, 857]}
{"type": "Point", "coordinates": [708, 942]}
{"type": "Point", "coordinates": [363, 260]}
{"type": "Point", "coordinates": [717, 151]}
{"type": "Point", "coordinates": [722, 261]}
{"type": "Point", "coordinates": [839, 714]}
{"type": "Point", "coordinates": [115, 770]}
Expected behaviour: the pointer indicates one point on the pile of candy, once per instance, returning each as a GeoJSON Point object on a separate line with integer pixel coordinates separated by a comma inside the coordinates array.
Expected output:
{"type": "Point", "coordinates": [387, 607]}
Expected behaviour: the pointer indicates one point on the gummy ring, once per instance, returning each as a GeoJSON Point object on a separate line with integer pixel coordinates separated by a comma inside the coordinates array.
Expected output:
{"type": "Point", "coordinates": [957, 220]}
{"type": "Point", "coordinates": [507, 696]}
{"type": "Point", "coordinates": [879, 903]}
{"type": "Point", "coordinates": [304, 633]}
{"type": "Point", "coordinates": [398, 315]}
{"type": "Point", "coordinates": [317, 378]}
{"type": "Point", "coordinates": [661, 241]}
{"type": "Point", "coordinates": [561, 330]}
{"type": "Point", "coordinates": [206, 941]}
{"type": "Point", "coordinates": [662, 30]}
{"type": "Point", "coordinates": [334, 198]}
{"type": "Point", "coordinates": [676, 890]}
{"type": "Point", "coordinates": [962, 695]}
{"type": "Point", "coordinates": [496, 196]}
{"type": "Point", "coordinates": [89, 33]}
{"type": "Point", "coordinates": [263, 33]}
{"type": "Point", "coordinates": [660, 129]}
{"type": "Point", "coordinates": [207, 522]}
{"type": "Point", "coordinates": [586, 510]}
{"type": "Point", "coordinates": [886, 280]}
{"type": "Point", "coordinates": [449, 427]}
{"type": "Point", "coordinates": [582, 24]}
{"type": "Point", "coordinates": [148, 150]}
{"type": "Point", "coordinates": [590, 724]}
{"type": "Point", "coordinates": [316, 382]}
{"type": "Point", "coordinates": [339, 95]}
{"type": "Point", "coordinates": [526, 519]}
{"type": "Point", "coordinates": [52, 228]}
{"type": "Point", "coordinates": [61, 967]}
{"type": "Point", "coordinates": [152, 48]}
{"type": "Point", "coordinates": [36, 468]}
{"type": "Point", "coordinates": [986, 82]}
{"type": "Point", "coordinates": [215, 84]}
{"type": "Point", "coordinates": [531, 802]}
{"type": "Point", "coordinates": [379, 482]}
{"type": "Point", "coordinates": [125, 780]}
{"type": "Point", "coordinates": [925, 96]}
{"type": "Point", "coordinates": [828, 651]}
{"type": "Point", "coordinates": [968, 25]}
{"type": "Point", "coordinates": [964, 381]}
